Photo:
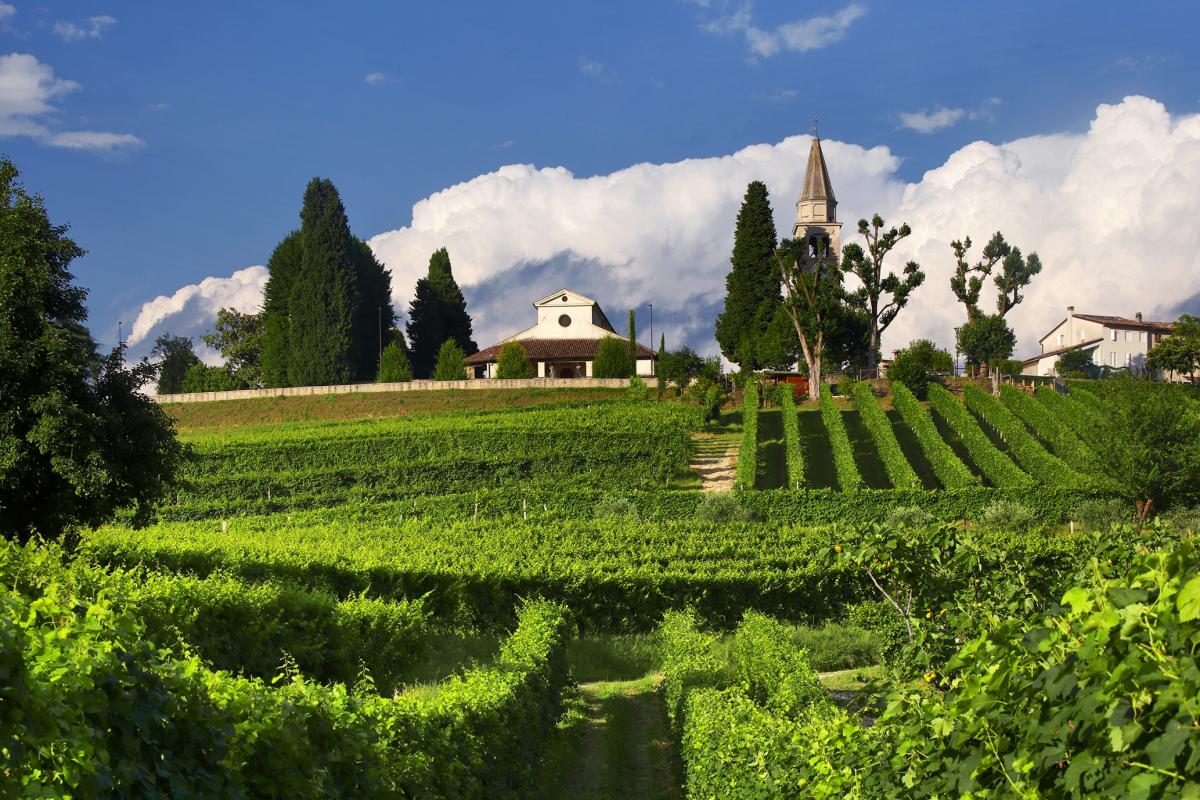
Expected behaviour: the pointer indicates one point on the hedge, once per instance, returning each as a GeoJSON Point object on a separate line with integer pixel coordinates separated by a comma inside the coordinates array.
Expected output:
{"type": "Point", "coordinates": [901, 473]}
{"type": "Point", "coordinates": [1051, 427]}
{"type": "Point", "coordinates": [250, 628]}
{"type": "Point", "coordinates": [843, 454]}
{"type": "Point", "coordinates": [947, 466]}
{"type": "Point", "coordinates": [746, 472]}
{"type": "Point", "coordinates": [1027, 450]}
{"type": "Point", "coordinates": [93, 708]}
{"type": "Point", "coordinates": [1079, 417]}
{"type": "Point", "coordinates": [995, 465]}
{"type": "Point", "coordinates": [791, 440]}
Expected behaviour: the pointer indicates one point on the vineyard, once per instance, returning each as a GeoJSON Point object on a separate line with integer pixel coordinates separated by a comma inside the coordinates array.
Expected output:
{"type": "Point", "coordinates": [442, 605]}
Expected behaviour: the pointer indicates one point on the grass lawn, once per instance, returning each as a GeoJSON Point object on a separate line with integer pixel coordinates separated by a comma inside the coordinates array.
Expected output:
{"type": "Point", "coordinates": [220, 414]}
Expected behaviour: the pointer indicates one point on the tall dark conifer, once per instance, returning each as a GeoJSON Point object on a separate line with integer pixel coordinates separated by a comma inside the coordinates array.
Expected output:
{"type": "Point", "coordinates": [375, 316]}
{"type": "Point", "coordinates": [752, 288]}
{"type": "Point", "coordinates": [438, 312]}
{"type": "Point", "coordinates": [283, 267]}
{"type": "Point", "coordinates": [325, 298]}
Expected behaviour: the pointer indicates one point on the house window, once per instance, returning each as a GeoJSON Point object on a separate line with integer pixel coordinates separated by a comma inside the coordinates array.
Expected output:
{"type": "Point", "coordinates": [1060, 340]}
{"type": "Point", "coordinates": [1128, 336]}
{"type": "Point", "coordinates": [1114, 335]}
{"type": "Point", "coordinates": [1112, 358]}
{"type": "Point", "coordinates": [1142, 337]}
{"type": "Point", "coordinates": [1129, 359]}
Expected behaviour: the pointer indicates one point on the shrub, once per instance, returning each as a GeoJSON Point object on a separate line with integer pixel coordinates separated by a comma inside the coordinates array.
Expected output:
{"type": "Point", "coordinates": [712, 404]}
{"type": "Point", "coordinates": [746, 475]}
{"type": "Point", "coordinates": [394, 366]}
{"type": "Point", "coordinates": [688, 660]}
{"type": "Point", "coordinates": [451, 362]}
{"type": "Point", "coordinates": [722, 507]}
{"type": "Point", "coordinates": [616, 506]}
{"type": "Point", "coordinates": [909, 517]}
{"type": "Point", "coordinates": [771, 670]}
{"type": "Point", "coordinates": [908, 370]}
{"type": "Point", "coordinates": [612, 359]}
{"type": "Point", "coordinates": [845, 384]}
{"type": "Point", "coordinates": [511, 362]}
{"type": "Point", "coordinates": [1100, 514]}
{"type": "Point", "coordinates": [888, 632]}
{"type": "Point", "coordinates": [202, 378]}
{"type": "Point", "coordinates": [1008, 515]}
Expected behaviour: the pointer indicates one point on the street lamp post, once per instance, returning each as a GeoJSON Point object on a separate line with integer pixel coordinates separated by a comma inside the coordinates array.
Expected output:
{"type": "Point", "coordinates": [653, 360]}
{"type": "Point", "coordinates": [379, 363]}
{"type": "Point", "coordinates": [119, 341]}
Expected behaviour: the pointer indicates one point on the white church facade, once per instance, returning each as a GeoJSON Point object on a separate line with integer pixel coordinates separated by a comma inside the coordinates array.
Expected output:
{"type": "Point", "coordinates": [564, 340]}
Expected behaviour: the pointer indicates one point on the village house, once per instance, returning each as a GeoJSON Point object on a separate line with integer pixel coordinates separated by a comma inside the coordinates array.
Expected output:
{"type": "Point", "coordinates": [563, 342]}
{"type": "Point", "coordinates": [1113, 342]}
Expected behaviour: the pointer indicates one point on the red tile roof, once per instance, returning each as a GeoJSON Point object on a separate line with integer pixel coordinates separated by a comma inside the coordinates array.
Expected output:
{"type": "Point", "coordinates": [554, 350]}
{"type": "Point", "coordinates": [1126, 322]}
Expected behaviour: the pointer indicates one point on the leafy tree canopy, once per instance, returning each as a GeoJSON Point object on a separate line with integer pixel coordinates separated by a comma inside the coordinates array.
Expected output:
{"type": "Point", "coordinates": [511, 362]}
{"type": "Point", "coordinates": [203, 378]}
{"type": "Point", "coordinates": [78, 439]}
{"type": "Point", "coordinates": [238, 338]}
{"type": "Point", "coordinates": [680, 366]}
{"type": "Point", "coordinates": [1179, 352]}
{"type": "Point", "coordinates": [987, 340]}
{"type": "Point", "coordinates": [913, 364]}
{"type": "Point", "coordinates": [438, 312]}
{"type": "Point", "coordinates": [1077, 363]}
{"type": "Point", "coordinates": [881, 296]}
{"type": "Point", "coordinates": [175, 355]}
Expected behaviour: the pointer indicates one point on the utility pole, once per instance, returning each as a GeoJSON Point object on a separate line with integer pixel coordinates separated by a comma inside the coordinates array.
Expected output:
{"type": "Point", "coordinates": [654, 360]}
{"type": "Point", "coordinates": [379, 363]}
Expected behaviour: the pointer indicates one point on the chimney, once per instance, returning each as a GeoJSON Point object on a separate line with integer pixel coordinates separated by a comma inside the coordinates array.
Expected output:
{"type": "Point", "coordinates": [1138, 316]}
{"type": "Point", "coordinates": [1070, 311]}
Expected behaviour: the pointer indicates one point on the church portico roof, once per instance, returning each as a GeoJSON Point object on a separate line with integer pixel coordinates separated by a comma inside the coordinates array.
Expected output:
{"type": "Point", "coordinates": [554, 350]}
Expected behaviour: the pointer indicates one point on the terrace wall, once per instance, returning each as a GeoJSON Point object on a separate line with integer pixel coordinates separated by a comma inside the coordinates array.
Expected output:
{"type": "Point", "coordinates": [408, 386]}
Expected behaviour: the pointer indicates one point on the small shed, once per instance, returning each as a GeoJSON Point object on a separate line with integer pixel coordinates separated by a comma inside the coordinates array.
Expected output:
{"type": "Point", "coordinates": [796, 380]}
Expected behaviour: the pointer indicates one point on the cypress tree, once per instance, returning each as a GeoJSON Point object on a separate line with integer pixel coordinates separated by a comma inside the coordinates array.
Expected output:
{"type": "Point", "coordinates": [374, 316]}
{"type": "Point", "coordinates": [632, 343]}
{"type": "Point", "coordinates": [662, 352]}
{"type": "Point", "coordinates": [283, 266]}
{"type": "Point", "coordinates": [438, 313]}
{"type": "Point", "coordinates": [324, 299]}
{"type": "Point", "coordinates": [394, 366]}
{"type": "Point", "coordinates": [752, 291]}
{"type": "Point", "coordinates": [451, 362]}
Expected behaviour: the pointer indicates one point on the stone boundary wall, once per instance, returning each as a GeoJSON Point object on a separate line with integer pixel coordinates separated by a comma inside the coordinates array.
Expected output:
{"type": "Point", "coordinates": [481, 384]}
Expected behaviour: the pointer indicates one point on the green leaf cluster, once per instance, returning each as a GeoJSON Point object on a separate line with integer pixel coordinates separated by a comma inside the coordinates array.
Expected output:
{"type": "Point", "coordinates": [998, 468]}
{"type": "Point", "coordinates": [951, 472]}
{"type": "Point", "coordinates": [793, 450]}
{"type": "Point", "coordinates": [746, 471]}
{"type": "Point", "coordinates": [899, 471]}
{"type": "Point", "coordinates": [1027, 451]}
{"type": "Point", "coordinates": [848, 475]}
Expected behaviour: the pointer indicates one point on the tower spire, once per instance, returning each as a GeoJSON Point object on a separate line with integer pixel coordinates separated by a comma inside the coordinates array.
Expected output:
{"type": "Point", "coordinates": [816, 210]}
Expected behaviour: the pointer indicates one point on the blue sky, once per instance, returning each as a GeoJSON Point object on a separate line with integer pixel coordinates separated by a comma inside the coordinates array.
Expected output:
{"type": "Point", "coordinates": [222, 112]}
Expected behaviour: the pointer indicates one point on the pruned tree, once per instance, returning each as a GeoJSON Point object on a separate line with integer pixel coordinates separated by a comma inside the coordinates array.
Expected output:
{"type": "Point", "coordinates": [394, 366]}
{"type": "Point", "coordinates": [451, 362]}
{"type": "Point", "coordinates": [881, 295]}
{"type": "Point", "coordinates": [633, 352]}
{"type": "Point", "coordinates": [1015, 274]}
{"type": "Point", "coordinates": [967, 281]}
{"type": "Point", "coordinates": [814, 302]}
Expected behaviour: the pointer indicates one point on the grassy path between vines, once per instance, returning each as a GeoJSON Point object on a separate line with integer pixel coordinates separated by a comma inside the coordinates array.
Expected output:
{"type": "Point", "coordinates": [613, 742]}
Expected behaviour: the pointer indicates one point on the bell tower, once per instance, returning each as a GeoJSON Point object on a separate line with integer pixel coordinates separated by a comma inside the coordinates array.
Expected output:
{"type": "Point", "coordinates": [816, 210]}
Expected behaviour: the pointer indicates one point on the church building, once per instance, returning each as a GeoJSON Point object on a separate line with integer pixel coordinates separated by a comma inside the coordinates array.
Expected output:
{"type": "Point", "coordinates": [816, 210]}
{"type": "Point", "coordinates": [564, 340]}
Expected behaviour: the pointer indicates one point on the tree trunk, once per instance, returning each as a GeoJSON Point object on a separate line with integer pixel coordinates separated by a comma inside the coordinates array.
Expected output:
{"type": "Point", "coordinates": [814, 378]}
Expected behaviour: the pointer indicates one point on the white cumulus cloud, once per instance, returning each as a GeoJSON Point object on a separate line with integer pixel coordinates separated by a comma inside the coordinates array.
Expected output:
{"type": "Point", "coordinates": [91, 28]}
{"type": "Point", "coordinates": [931, 121]}
{"type": "Point", "coordinates": [1106, 209]}
{"type": "Point", "coordinates": [192, 310]}
{"type": "Point", "coordinates": [375, 78]}
{"type": "Point", "coordinates": [26, 88]}
{"type": "Point", "coordinates": [801, 35]}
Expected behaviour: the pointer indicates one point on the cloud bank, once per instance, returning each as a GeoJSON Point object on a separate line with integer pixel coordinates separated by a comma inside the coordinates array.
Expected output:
{"type": "Point", "coordinates": [1108, 211]}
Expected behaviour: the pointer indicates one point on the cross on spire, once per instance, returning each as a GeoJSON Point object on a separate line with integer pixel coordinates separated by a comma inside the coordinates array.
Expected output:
{"type": "Point", "coordinates": [813, 127]}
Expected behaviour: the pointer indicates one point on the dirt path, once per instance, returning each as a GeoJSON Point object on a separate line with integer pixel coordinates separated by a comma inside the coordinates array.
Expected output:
{"type": "Point", "coordinates": [614, 742]}
{"type": "Point", "coordinates": [715, 461]}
